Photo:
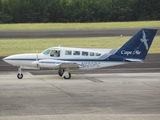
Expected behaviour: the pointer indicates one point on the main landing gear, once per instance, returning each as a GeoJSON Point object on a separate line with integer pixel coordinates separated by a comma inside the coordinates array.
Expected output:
{"type": "Point", "coordinates": [19, 75]}
{"type": "Point", "coordinates": [64, 73]}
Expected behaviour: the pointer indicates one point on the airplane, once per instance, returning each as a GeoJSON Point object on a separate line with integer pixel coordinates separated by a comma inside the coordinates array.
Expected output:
{"type": "Point", "coordinates": [65, 58]}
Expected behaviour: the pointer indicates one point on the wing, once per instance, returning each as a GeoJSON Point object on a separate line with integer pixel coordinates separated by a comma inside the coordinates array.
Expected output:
{"type": "Point", "coordinates": [58, 64]}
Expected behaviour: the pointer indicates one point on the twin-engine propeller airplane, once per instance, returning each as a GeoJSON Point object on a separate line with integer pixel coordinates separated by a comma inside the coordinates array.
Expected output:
{"type": "Point", "coordinates": [65, 58]}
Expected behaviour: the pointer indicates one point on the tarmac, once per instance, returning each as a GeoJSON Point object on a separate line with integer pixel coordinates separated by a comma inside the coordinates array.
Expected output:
{"type": "Point", "coordinates": [111, 96]}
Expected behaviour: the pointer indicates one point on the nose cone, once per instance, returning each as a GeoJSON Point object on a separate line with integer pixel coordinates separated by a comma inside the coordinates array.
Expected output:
{"type": "Point", "coordinates": [9, 60]}
{"type": "Point", "coordinates": [4, 59]}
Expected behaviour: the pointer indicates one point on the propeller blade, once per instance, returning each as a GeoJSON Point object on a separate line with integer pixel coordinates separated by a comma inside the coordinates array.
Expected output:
{"type": "Point", "coordinates": [37, 61]}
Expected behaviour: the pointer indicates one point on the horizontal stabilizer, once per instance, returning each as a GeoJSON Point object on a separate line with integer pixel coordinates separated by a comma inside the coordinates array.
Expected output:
{"type": "Point", "coordinates": [133, 60]}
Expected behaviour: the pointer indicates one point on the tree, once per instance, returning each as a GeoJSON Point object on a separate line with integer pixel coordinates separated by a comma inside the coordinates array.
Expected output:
{"type": "Point", "coordinates": [33, 11]}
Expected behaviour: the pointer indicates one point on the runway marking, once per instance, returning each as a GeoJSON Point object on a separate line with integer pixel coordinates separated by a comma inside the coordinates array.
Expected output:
{"type": "Point", "coordinates": [60, 89]}
{"type": "Point", "coordinates": [151, 85]}
{"type": "Point", "coordinates": [93, 79]}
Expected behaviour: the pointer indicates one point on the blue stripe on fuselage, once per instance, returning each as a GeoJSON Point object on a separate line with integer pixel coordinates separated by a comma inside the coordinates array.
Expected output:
{"type": "Point", "coordinates": [110, 58]}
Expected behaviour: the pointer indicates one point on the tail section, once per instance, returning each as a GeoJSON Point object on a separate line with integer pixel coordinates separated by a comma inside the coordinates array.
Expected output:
{"type": "Point", "coordinates": [137, 47]}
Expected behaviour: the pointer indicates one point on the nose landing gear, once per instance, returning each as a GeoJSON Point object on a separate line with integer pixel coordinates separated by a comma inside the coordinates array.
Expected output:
{"type": "Point", "coordinates": [19, 75]}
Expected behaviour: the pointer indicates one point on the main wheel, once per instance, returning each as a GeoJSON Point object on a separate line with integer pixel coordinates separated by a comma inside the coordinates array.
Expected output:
{"type": "Point", "coordinates": [67, 76]}
{"type": "Point", "coordinates": [19, 75]}
{"type": "Point", "coordinates": [60, 72]}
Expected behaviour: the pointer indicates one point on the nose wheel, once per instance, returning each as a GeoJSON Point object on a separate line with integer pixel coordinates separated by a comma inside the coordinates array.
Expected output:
{"type": "Point", "coordinates": [19, 75]}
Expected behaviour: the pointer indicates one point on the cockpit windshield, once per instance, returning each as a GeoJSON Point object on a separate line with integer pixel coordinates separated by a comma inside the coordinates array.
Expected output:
{"type": "Point", "coordinates": [52, 52]}
{"type": "Point", "coordinates": [46, 52]}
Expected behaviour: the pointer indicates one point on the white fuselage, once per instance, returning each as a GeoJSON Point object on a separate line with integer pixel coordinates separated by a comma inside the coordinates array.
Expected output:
{"type": "Point", "coordinates": [85, 58]}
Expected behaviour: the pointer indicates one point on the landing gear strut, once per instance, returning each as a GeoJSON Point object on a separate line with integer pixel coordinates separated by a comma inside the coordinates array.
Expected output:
{"type": "Point", "coordinates": [19, 75]}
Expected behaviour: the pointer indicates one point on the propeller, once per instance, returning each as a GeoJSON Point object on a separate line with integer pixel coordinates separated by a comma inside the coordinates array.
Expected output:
{"type": "Point", "coordinates": [37, 61]}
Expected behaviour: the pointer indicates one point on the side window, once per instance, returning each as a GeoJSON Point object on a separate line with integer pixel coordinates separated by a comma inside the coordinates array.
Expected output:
{"type": "Point", "coordinates": [55, 53]}
{"type": "Point", "coordinates": [98, 54]}
{"type": "Point", "coordinates": [68, 52]}
{"type": "Point", "coordinates": [76, 52]}
{"type": "Point", "coordinates": [91, 53]}
{"type": "Point", "coordinates": [85, 53]}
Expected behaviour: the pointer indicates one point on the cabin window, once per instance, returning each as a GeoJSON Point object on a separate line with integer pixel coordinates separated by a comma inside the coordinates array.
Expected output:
{"type": "Point", "coordinates": [76, 52]}
{"type": "Point", "coordinates": [46, 52]}
{"type": "Point", "coordinates": [68, 52]}
{"type": "Point", "coordinates": [91, 53]}
{"type": "Point", "coordinates": [98, 54]}
{"type": "Point", "coordinates": [55, 53]}
{"type": "Point", "coordinates": [85, 53]}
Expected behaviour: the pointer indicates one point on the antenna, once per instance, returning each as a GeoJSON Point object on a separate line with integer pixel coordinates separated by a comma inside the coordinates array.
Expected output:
{"type": "Point", "coordinates": [59, 45]}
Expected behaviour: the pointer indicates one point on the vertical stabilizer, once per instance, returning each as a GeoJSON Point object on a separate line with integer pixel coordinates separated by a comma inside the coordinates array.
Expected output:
{"type": "Point", "coordinates": [138, 46]}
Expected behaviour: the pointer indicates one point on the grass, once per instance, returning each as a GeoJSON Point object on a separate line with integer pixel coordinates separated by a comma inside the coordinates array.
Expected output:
{"type": "Point", "coordinates": [49, 26]}
{"type": "Point", "coordinates": [15, 46]}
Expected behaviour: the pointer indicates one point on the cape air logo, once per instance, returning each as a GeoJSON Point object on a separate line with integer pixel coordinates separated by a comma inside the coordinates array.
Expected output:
{"type": "Point", "coordinates": [144, 40]}
{"type": "Point", "coordinates": [136, 52]}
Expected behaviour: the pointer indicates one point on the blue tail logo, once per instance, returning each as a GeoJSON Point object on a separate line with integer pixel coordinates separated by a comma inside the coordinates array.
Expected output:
{"type": "Point", "coordinates": [144, 40]}
{"type": "Point", "coordinates": [137, 47]}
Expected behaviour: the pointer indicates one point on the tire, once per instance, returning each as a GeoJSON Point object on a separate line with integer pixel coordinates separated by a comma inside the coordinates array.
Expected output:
{"type": "Point", "coordinates": [19, 76]}
{"type": "Point", "coordinates": [68, 76]}
{"type": "Point", "coordinates": [60, 72]}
